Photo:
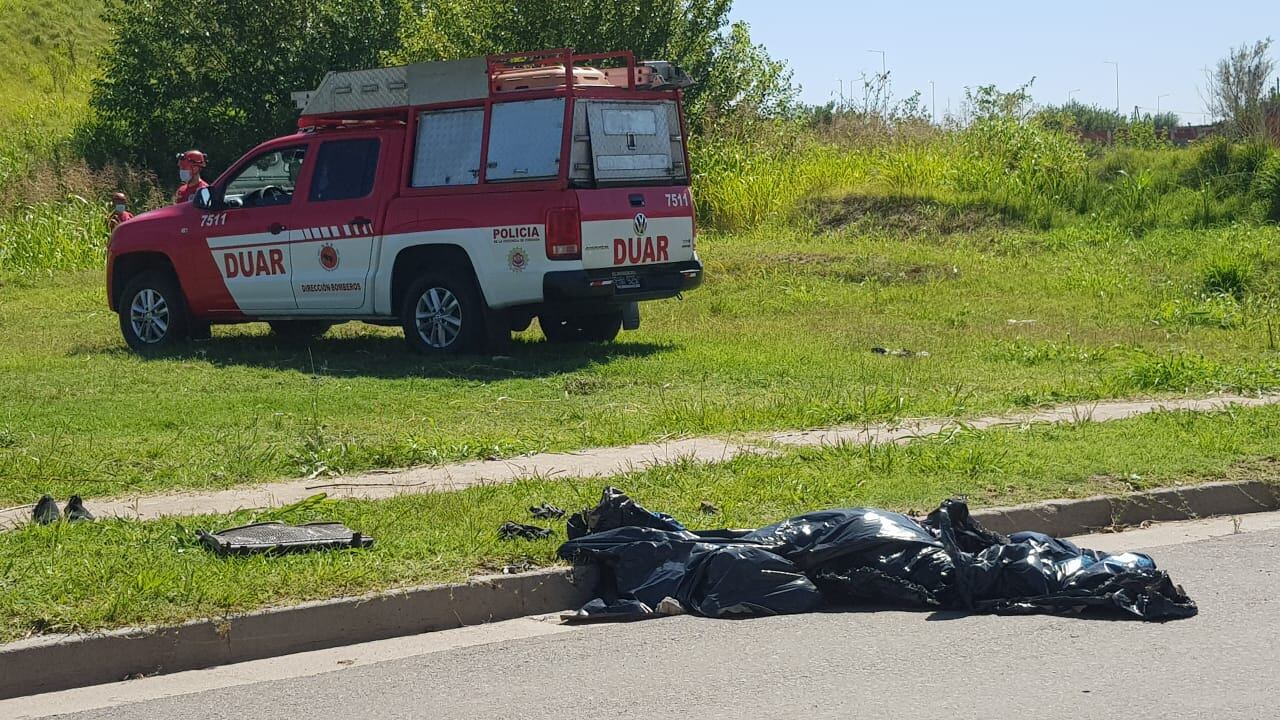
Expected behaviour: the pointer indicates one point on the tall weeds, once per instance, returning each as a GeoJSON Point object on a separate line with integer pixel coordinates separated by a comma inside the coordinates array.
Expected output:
{"type": "Point", "coordinates": [1020, 168]}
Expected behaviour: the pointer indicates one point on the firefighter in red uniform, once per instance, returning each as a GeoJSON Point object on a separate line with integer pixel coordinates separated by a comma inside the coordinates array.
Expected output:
{"type": "Point", "coordinates": [119, 211]}
{"type": "Point", "coordinates": [190, 163]}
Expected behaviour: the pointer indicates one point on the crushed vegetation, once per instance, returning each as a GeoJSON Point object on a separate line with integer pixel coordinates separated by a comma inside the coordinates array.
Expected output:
{"type": "Point", "coordinates": [912, 218]}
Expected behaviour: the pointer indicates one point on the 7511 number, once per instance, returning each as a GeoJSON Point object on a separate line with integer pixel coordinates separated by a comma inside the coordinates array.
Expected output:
{"type": "Point", "coordinates": [677, 199]}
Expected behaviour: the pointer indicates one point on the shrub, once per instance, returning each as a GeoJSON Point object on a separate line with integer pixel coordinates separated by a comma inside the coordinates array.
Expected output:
{"type": "Point", "coordinates": [1266, 187]}
{"type": "Point", "coordinates": [1226, 275]}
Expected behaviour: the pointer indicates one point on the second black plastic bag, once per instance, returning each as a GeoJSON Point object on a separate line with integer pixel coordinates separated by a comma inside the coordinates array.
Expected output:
{"type": "Point", "coordinates": [651, 565]}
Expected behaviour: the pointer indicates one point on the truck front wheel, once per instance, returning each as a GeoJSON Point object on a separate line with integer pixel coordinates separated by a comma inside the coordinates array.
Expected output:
{"type": "Point", "coordinates": [442, 314]}
{"type": "Point", "coordinates": [152, 314]}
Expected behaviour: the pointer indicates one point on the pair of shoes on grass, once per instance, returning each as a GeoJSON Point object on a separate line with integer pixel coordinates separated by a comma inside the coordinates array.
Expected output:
{"type": "Point", "coordinates": [46, 511]}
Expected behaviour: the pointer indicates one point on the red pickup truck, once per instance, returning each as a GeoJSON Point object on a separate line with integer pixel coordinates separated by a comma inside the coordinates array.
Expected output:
{"type": "Point", "coordinates": [459, 199]}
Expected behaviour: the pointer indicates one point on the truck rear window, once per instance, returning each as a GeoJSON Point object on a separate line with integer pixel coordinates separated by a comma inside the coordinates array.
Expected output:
{"type": "Point", "coordinates": [639, 121]}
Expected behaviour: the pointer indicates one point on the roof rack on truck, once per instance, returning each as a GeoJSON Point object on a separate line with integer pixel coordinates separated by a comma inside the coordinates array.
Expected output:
{"type": "Point", "coordinates": [365, 92]}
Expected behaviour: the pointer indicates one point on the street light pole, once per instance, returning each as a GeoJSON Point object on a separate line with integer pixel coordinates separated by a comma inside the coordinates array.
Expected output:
{"type": "Point", "coordinates": [1158, 97]}
{"type": "Point", "coordinates": [1113, 62]}
{"type": "Point", "coordinates": [1070, 93]}
{"type": "Point", "coordinates": [933, 101]}
{"type": "Point", "coordinates": [883, 65]}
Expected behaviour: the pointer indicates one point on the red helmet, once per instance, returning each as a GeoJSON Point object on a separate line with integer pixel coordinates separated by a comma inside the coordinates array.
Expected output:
{"type": "Point", "coordinates": [119, 198]}
{"type": "Point", "coordinates": [192, 159]}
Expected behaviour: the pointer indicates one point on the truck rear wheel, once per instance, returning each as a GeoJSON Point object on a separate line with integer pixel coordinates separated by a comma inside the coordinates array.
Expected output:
{"type": "Point", "coordinates": [153, 316]}
{"type": "Point", "coordinates": [299, 329]}
{"type": "Point", "coordinates": [442, 314]}
{"type": "Point", "coordinates": [599, 328]}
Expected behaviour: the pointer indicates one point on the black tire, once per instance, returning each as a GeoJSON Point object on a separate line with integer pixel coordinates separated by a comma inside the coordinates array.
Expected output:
{"type": "Point", "coordinates": [599, 328]}
{"type": "Point", "coordinates": [153, 313]}
{"type": "Point", "coordinates": [299, 329]}
{"type": "Point", "coordinates": [453, 319]}
{"type": "Point", "coordinates": [558, 328]}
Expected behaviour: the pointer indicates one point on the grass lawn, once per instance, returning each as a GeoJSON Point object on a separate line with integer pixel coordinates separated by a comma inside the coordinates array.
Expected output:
{"type": "Point", "coordinates": [107, 574]}
{"type": "Point", "coordinates": [779, 337]}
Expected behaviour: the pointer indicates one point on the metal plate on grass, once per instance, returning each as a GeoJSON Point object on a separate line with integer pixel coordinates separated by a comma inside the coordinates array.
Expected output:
{"type": "Point", "coordinates": [280, 538]}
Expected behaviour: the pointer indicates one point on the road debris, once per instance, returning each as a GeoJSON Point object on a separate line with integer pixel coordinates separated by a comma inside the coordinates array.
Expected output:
{"type": "Point", "coordinates": [858, 556]}
{"type": "Point", "coordinates": [512, 530]}
{"type": "Point", "coordinates": [546, 511]}
{"type": "Point", "coordinates": [900, 352]}
{"type": "Point", "coordinates": [279, 538]}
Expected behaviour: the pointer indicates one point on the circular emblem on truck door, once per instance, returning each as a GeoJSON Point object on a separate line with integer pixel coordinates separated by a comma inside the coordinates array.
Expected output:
{"type": "Point", "coordinates": [517, 259]}
{"type": "Point", "coordinates": [642, 224]}
{"type": "Point", "coordinates": [328, 256]}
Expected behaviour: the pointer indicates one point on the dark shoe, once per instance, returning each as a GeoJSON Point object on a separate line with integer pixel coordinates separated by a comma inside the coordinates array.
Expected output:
{"type": "Point", "coordinates": [46, 511]}
{"type": "Point", "coordinates": [76, 510]}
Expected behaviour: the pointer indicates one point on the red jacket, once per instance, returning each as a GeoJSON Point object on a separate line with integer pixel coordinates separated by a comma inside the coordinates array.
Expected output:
{"type": "Point", "coordinates": [117, 218]}
{"type": "Point", "coordinates": [186, 190]}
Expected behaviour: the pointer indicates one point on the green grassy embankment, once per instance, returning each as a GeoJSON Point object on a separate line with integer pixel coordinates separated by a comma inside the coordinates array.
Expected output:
{"type": "Point", "coordinates": [106, 574]}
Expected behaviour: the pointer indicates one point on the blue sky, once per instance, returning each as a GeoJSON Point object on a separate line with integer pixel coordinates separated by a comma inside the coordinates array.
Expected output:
{"type": "Point", "coordinates": [1162, 47]}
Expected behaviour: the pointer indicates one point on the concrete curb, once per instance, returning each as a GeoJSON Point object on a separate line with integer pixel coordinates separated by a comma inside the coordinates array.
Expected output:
{"type": "Point", "coordinates": [1064, 518]}
{"type": "Point", "coordinates": [59, 662]}
{"type": "Point", "coordinates": [51, 663]}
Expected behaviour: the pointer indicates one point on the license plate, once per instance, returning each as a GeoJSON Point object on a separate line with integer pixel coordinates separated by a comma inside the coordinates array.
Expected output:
{"type": "Point", "coordinates": [626, 281]}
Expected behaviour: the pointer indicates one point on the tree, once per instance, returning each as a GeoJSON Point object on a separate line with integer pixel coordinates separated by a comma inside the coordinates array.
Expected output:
{"type": "Point", "coordinates": [217, 76]}
{"type": "Point", "coordinates": [1236, 86]}
{"type": "Point", "coordinates": [733, 74]}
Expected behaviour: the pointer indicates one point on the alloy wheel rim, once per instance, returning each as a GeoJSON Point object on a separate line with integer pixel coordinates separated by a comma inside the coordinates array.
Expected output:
{"type": "Point", "coordinates": [438, 317]}
{"type": "Point", "coordinates": [149, 316]}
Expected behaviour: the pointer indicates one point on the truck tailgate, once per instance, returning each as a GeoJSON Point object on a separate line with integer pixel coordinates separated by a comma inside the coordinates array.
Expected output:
{"type": "Point", "coordinates": [629, 226]}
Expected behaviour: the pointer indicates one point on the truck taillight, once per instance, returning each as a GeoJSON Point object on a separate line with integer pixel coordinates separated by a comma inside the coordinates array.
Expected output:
{"type": "Point", "coordinates": [564, 234]}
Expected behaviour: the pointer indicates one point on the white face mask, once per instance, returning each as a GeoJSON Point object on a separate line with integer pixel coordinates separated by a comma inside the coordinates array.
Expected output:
{"type": "Point", "coordinates": [184, 175]}
{"type": "Point", "coordinates": [120, 208]}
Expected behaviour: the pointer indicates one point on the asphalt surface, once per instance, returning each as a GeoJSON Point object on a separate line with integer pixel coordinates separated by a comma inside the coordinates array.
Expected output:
{"type": "Point", "coordinates": [885, 664]}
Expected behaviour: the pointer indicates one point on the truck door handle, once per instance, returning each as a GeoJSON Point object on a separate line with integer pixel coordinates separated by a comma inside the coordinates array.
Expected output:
{"type": "Point", "coordinates": [276, 228]}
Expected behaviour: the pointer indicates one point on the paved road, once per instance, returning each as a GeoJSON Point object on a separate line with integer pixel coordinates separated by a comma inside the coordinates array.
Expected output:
{"type": "Point", "coordinates": [1225, 663]}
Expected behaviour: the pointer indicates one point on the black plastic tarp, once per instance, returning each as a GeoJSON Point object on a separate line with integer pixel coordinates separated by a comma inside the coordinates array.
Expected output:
{"type": "Point", "coordinates": [650, 564]}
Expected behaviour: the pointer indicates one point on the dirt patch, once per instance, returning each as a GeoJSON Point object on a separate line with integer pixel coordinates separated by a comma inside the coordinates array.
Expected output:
{"type": "Point", "coordinates": [901, 216]}
{"type": "Point", "coordinates": [1264, 469]}
{"type": "Point", "coordinates": [861, 270]}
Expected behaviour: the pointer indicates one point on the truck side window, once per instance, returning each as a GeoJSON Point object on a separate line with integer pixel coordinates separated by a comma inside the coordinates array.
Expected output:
{"type": "Point", "coordinates": [345, 170]}
{"type": "Point", "coordinates": [268, 179]}
{"type": "Point", "coordinates": [447, 149]}
{"type": "Point", "coordinates": [525, 139]}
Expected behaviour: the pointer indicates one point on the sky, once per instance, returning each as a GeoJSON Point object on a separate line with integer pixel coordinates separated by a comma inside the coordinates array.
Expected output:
{"type": "Point", "coordinates": [1162, 47]}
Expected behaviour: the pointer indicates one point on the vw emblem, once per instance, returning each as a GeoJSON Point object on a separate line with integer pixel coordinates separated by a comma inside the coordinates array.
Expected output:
{"type": "Point", "coordinates": [642, 224]}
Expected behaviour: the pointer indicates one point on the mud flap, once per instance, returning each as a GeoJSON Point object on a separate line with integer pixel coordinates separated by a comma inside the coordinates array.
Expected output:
{"type": "Point", "coordinates": [631, 316]}
{"type": "Point", "coordinates": [277, 537]}
{"type": "Point", "coordinates": [497, 331]}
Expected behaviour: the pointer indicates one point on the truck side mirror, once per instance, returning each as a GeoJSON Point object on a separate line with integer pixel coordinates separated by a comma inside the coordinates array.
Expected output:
{"type": "Point", "coordinates": [209, 198]}
{"type": "Point", "coordinates": [203, 199]}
